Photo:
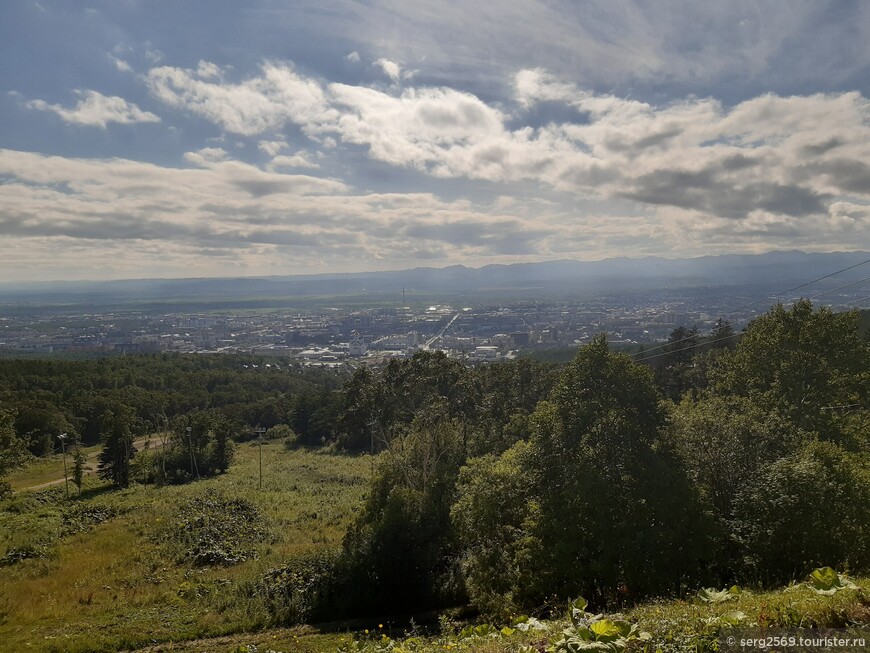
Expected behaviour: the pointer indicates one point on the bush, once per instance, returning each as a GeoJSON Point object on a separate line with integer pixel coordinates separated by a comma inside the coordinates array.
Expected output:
{"type": "Point", "coordinates": [83, 517]}
{"type": "Point", "coordinates": [23, 552]}
{"type": "Point", "coordinates": [213, 530]}
{"type": "Point", "coordinates": [302, 590]}
{"type": "Point", "coordinates": [285, 433]}
{"type": "Point", "coordinates": [807, 510]}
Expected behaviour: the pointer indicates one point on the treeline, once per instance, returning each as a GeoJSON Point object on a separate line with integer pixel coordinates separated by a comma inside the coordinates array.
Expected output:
{"type": "Point", "coordinates": [198, 405]}
{"type": "Point", "coordinates": [520, 485]}
{"type": "Point", "coordinates": [49, 397]}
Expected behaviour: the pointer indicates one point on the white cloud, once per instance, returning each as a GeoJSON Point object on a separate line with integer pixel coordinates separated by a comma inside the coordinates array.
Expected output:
{"type": "Point", "coordinates": [116, 217]}
{"type": "Point", "coordinates": [786, 156]}
{"type": "Point", "coordinates": [206, 156]}
{"type": "Point", "coordinates": [537, 85]}
{"type": "Point", "coordinates": [353, 57]}
{"type": "Point", "coordinates": [272, 147]}
{"type": "Point", "coordinates": [97, 110]}
{"type": "Point", "coordinates": [121, 65]}
{"type": "Point", "coordinates": [208, 70]}
{"type": "Point", "coordinates": [298, 160]}
{"type": "Point", "coordinates": [259, 104]}
{"type": "Point", "coordinates": [390, 68]}
{"type": "Point", "coordinates": [131, 214]}
{"type": "Point", "coordinates": [607, 173]}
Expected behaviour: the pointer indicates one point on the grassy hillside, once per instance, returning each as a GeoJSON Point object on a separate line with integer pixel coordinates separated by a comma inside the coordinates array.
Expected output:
{"type": "Point", "coordinates": [124, 583]}
{"type": "Point", "coordinates": [674, 626]}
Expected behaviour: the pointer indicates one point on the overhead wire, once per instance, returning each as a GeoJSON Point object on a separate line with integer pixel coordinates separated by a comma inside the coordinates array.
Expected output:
{"type": "Point", "coordinates": [674, 351]}
{"type": "Point", "coordinates": [767, 298]}
{"type": "Point", "coordinates": [825, 292]}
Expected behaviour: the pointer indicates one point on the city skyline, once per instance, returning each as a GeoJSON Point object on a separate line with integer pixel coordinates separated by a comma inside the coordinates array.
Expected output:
{"type": "Point", "coordinates": [212, 139]}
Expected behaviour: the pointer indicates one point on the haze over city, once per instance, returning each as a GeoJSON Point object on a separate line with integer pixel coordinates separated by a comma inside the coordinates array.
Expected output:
{"type": "Point", "coordinates": [235, 139]}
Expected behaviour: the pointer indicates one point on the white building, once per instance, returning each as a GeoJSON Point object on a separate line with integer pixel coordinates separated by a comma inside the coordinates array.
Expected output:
{"type": "Point", "coordinates": [358, 345]}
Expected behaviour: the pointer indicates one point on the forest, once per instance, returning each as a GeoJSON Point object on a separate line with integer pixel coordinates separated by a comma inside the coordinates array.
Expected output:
{"type": "Point", "coordinates": [510, 488]}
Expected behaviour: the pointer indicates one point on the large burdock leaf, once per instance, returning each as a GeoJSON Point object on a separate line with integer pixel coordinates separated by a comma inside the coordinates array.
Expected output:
{"type": "Point", "coordinates": [712, 595]}
{"type": "Point", "coordinates": [827, 581]}
{"type": "Point", "coordinates": [605, 630]}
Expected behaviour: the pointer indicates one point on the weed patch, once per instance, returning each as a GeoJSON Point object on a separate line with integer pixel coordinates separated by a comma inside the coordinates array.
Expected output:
{"type": "Point", "coordinates": [82, 517]}
{"type": "Point", "coordinates": [23, 552]}
{"type": "Point", "coordinates": [298, 591]}
{"type": "Point", "coordinates": [212, 530]}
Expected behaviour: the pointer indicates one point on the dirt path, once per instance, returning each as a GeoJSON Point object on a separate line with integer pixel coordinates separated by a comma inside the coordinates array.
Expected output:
{"type": "Point", "coordinates": [90, 465]}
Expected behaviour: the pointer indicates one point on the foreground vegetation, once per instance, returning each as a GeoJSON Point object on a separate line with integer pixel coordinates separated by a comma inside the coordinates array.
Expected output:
{"type": "Point", "coordinates": [670, 626]}
{"type": "Point", "coordinates": [505, 489]}
{"type": "Point", "coordinates": [108, 571]}
{"type": "Point", "coordinates": [674, 626]}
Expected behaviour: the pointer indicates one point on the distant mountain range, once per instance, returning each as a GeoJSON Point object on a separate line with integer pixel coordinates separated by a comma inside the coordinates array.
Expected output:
{"type": "Point", "coordinates": [553, 278]}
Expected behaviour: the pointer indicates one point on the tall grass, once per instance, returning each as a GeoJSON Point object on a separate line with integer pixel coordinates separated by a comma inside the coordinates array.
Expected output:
{"type": "Point", "coordinates": [120, 584]}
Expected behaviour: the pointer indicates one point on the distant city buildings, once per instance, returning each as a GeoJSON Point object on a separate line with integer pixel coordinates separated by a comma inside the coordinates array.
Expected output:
{"type": "Point", "coordinates": [336, 337]}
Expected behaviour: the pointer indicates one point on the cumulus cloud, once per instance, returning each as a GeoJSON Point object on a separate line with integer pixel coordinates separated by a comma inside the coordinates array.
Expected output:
{"type": "Point", "coordinates": [605, 175]}
{"type": "Point", "coordinates": [121, 65]}
{"type": "Point", "coordinates": [428, 129]}
{"type": "Point", "coordinates": [272, 147]}
{"type": "Point", "coordinates": [390, 68]}
{"type": "Point", "coordinates": [97, 110]}
{"type": "Point", "coordinates": [290, 222]}
{"type": "Point", "coordinates": [764, 163]}
{"type": "Point", "coordinates": [208, 70]}
{"type": "Point", "coordinates": [353, 57]}
{"type": "Point", "coordinates": [298, 160]}
{"type": "Point", "coordinates": [277, 96]}
{"type": "Point", "coordinates": [206, 155]}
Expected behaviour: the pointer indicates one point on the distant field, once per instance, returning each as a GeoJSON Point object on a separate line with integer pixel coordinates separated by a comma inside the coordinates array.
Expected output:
{"type": "Point", "coordinates": [118, 585]}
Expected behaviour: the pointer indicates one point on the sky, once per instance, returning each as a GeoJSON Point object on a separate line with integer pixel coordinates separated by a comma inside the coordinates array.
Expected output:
{"type": "Point", "coordinates": [168, 138]}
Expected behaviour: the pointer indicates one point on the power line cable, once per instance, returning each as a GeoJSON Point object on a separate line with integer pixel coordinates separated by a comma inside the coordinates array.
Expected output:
{"type": "Point", "coordinates": [825, 292]}
{"type": "Point", "coordinates": [758, 301]}
{"type": "Point", "coordinates": [674, 351]}
{"type": "Point", "coordinates": [857, 301]}
{"type": "Point", "coordinates": [803, 285]}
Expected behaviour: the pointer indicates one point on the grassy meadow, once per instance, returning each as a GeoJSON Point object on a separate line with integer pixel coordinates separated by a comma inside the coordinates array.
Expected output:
{"type": "Point", "coordinates": [123, 584]}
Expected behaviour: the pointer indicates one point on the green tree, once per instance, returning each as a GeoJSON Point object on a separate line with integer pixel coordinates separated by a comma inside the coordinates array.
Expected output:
{"type": "Point", "coordinates": [674, 366]}
{"type": "Point", "coordinates": [400, 551]}
{"type": "Point", "coordinates": [723, 335]}
{"type": "Point", "coordinates": [807, 510]}
{"type": "Point", "coordinates": [609, 512]}
{"type": "Point", "coordinates": [219, 454]}
{"type": "Point", "coordinates": [38, 423]}
{"type": "Point", "coordinates": [12, 449]}
{"type": "Point", "coordinates": [805, 365]}
{"type": "Point", "coordinates": [378, 407]}
{"type": "Point", "coordinates": [117, 426]}
{"type": "Point", "coordinates": [725, 442]}
{"type": "Point", "coordinates": [493, 511]}
{"type": "Point", "coordinates": [503, 396]}
{"type": "Point", "coordinates": [79, 460]}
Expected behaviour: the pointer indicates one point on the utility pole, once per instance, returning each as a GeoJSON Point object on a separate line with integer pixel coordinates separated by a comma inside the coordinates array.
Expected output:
{"type": "Point", "coordinates": [62, 437]}
{"type": "Point", "coordinates": [193, 464]}
{"type": "Point", "coordinates": [260, 431]}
